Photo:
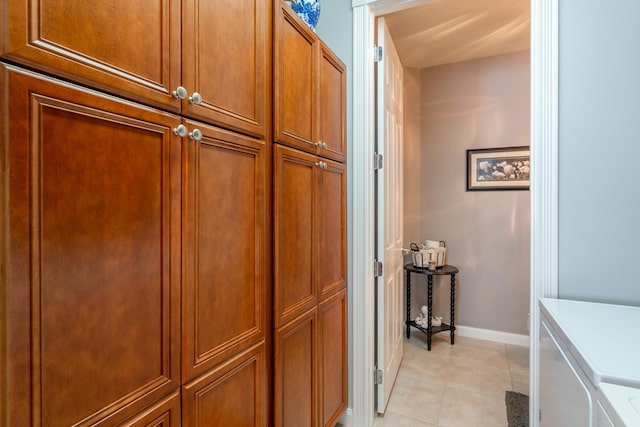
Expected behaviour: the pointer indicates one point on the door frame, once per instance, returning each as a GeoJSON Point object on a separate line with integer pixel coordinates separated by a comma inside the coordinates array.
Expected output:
{"type": "Point", "coordinates": [543, 193]}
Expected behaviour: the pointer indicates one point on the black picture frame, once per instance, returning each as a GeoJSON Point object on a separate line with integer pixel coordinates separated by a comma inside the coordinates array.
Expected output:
{"type": "Point", "coordinates": [504, 168]}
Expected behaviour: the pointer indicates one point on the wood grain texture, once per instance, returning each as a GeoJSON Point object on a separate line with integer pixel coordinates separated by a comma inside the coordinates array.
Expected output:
{"type": "Point", "coordinates": [295, 365]}
{"type": "Point", "coordinates": [128, 48]}
{"type": "Point", "coordinates": [295, 217]}
{"type": "Point", "coordinates": [94, 279]}
{"type": "Point", "coordinates": [233, 394]}
{"type": "Point", "coordinates": [226, 58]}
{"type": "Point", "coordinates": [225, 247]}
{"type": "Point", "coordinates": [165, 413]}
{"type": "Point", "coordinates": [331, 246]}
{"type": "Point", "coordinates": [332, 113]}
{"type": "Point", "coordinates": [295, 81]}
{"type": "Point", "coordinates": [332, 358]}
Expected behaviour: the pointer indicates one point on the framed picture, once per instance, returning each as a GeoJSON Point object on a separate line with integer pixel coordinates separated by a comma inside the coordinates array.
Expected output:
{"type": "Point", "coordinates": [498, 169]}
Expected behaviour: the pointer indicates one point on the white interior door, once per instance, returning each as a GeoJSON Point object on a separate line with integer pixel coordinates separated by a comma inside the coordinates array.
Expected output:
{"type": "Point", "coordinates": [389, 287]}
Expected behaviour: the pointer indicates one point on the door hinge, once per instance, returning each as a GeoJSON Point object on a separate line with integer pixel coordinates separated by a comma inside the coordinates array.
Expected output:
{"type": "Point", "coordinates": [378, 161]}
{"type": "Point", "coordinates": [377, 377]}
{"type": "Point", "coordinates": [377, 53]}
{"type": "Point", "coordinates": [377, 268]}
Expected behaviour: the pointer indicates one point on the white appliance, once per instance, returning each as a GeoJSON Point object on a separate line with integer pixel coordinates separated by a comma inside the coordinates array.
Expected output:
{"type": "Point", "coordinates": [585, 349]}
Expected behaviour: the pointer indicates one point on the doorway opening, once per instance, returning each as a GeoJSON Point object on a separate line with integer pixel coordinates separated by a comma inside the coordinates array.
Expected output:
{"type": "Point", "coordinates": [544, 189]}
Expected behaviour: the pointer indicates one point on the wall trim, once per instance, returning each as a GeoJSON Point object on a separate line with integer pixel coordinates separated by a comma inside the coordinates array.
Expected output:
{"type": "Point", "coordinates": [347, 418]}
{"type": "Point", "coordinates": [362, 231]}
{"type": "Point", "coordinates": [491, 335]}
{"type": "Point", "coordinates": [544, 179]}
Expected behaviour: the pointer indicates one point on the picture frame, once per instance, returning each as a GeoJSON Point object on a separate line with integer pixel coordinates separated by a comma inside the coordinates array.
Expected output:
{"type": "Point", "coordinates": [504, 168]}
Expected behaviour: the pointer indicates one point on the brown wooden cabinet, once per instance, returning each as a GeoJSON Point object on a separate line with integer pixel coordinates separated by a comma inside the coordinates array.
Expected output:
{"type": "Point", "coordinates": [296, 181]}
{"type": "Point", "coordinates": [296, 372]}
{"type": "Point", "coordinates": [310, 267]}
{"type": "Point", "coordinates": [165, 413]}
{"type": "Point", "coordinates": [332, 358]}
{"type": "Point", "coordinates": [232, 394]}
{"type": "Point", "coordinates": [332, 110]}
{"type": "Point", "coordinates": [146, 281]}
{"type": "Point", "coordinates": [226, 60]}
{"type": "Point", "coordinates": [111, 217]}
{"type": "Point", "coordinates": [225, 248]}
{"type": "Point", "coordinates": [218, 54]}
{"type": "Point", "coordinates": [91, 237]}
{"type": "Point", "coordinates": [309, 89]}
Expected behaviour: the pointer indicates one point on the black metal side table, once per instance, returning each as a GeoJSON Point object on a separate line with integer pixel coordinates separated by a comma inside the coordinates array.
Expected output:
{"type": "Point", "coordinates": [430, 330]}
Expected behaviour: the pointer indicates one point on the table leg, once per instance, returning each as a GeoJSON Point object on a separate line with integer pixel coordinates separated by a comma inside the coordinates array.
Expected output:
{"type": "Point", "coordinates": [453, 307]}
{"type": "Point", "coordinates": [429, 309]}
{"type": "Point", "coordinates": [408, 304]}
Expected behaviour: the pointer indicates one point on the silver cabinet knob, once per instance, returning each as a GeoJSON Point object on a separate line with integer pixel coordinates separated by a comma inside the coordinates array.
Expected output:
{"type": "Point", "coordinates": [196, 98]}
{"type": "Point", "coordinates": [324, 144]}
{"type": "Point", "coordinates": [180, 93]}
{"type": "Point", "coordinates": [318, 144]}
{"type": "Point", "coordinates": [321, 164]}
{"type": "Point", "coordinates": [195, 134]}
{"type": "Point", "coordinates": [180, 131]}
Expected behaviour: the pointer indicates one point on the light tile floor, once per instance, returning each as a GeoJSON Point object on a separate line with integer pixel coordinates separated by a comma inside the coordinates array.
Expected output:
{"type": "Point", "coordinates": [459, 385]}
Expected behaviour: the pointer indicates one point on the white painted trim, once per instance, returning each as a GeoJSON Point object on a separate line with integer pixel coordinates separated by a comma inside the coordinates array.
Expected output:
{"type": "Point", "coordinates": [544, 178]}
{"type": "Point", "coordinates": [347, 418]}
{"type": "Point", "coordinates": [491, 335]}
{"type": "Point", "coordinates": [362, 232]}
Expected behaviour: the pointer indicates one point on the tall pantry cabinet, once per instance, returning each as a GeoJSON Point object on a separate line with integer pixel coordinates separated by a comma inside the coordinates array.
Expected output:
{"type": "Point", "coordinates": [139, 218]}
{"type": "Point", "coordinates": [309, 227]}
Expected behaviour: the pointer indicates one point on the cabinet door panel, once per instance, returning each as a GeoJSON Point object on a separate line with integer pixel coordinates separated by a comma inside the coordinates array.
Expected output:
{"type": "Point", "coordinates": [94, 241]}
{"type": "Point", "coordinates": [295, 88]}
{"type": "Point", "coordinates": [295, 183]}
{"type": "Point", "coordinates": [165, 413]}
{"type": "Point", "coordinates": [224, 206]}
{"type": "Point", "coordinates": [332, 343]}
{"type": "Point", "coordinates": [234, 394]}
{"type": "Point", "coordinates": [124, 47]}
{"type": "Point", "coordinates": [226, 59]}
{"type": "Point", "coordinates": [295, 373]}
{"type": "Point", "coordinates": [332, 105]}
{"type": "Point", "coordinates": [332, 235]}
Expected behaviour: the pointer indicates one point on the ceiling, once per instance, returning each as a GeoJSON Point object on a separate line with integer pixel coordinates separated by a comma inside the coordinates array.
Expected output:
{"type": "Point", "coordinates": [445, 31]}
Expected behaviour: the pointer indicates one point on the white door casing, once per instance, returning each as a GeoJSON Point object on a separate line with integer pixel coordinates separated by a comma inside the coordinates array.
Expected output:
{"type": "Point", "coordinates": [389, 296]}
{"type": "Point", "coordinates": [544, 191]}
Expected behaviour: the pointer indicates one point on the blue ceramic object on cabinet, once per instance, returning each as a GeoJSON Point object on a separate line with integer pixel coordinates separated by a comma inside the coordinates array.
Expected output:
{"type": "Point", "coordinates": [307, 10]}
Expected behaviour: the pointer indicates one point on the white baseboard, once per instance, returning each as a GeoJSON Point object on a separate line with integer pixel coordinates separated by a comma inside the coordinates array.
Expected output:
{"type": "Point", "coordinates": [491, 335]}
{"type": "Point", "coordinates": [347, 418]}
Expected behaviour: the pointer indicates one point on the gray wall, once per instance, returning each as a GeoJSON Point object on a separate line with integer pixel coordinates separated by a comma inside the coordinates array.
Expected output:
{"type": "Point", "coordinates": [412, 157]}
{"type": "Point", "coordinates": [482, 103]}
{"type": "Point", "coordinates": [599, 149]}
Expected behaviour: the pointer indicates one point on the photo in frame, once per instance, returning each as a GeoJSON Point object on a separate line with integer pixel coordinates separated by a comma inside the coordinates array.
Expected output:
{"type": "Point", "coordinates": [506, 168]}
